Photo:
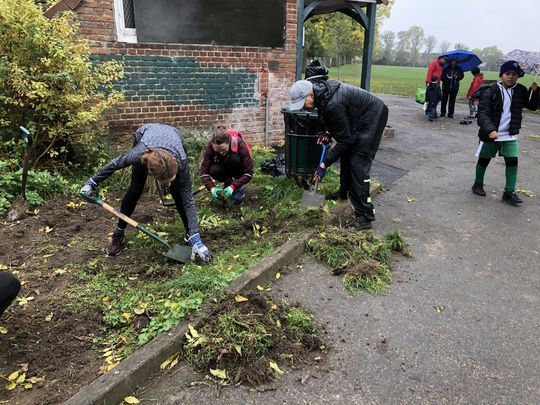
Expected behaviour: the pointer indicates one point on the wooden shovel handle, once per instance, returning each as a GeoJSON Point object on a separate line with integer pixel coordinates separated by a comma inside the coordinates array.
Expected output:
{"type": "Point", "coordinates": [118, 214]}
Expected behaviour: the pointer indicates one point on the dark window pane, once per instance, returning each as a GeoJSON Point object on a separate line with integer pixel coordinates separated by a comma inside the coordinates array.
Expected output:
{"type": "Point", "coordinates": [129, 16]}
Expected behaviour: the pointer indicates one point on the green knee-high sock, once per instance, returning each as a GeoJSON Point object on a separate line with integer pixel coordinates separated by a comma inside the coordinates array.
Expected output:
{"type": "Point", "coordinates": [480, 172]}
{"type": "Point", "coordinates": [511, 179]}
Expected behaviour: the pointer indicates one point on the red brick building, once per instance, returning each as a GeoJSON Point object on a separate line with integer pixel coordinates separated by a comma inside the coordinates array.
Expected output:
{"type": "Point", "coordinates": [195, 85]}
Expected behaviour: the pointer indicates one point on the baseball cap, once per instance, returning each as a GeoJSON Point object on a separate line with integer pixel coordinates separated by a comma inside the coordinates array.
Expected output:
{"type": "Point", "coordinates": [298, 94]}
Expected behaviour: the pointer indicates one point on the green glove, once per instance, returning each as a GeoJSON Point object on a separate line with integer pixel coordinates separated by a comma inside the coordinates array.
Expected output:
{"type": "Point", "coordinates": [215, 193]}
{"type": "Point", "coordinates": [228, 192]}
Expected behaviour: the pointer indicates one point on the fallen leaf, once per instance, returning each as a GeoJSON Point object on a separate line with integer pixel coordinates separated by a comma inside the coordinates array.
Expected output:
{"type": "Point", "coordinates": [10, 386]}
{"type": "Point", "coordinates": [238, 348]}
{"type": "Point", "coordinates": [278, 275]}
{"type": "Point", "coordinates": [13, 376]}
{"type": "Point", "coordinates": [525, 192]}
{"type": "Point", "coordinates": [48, 229]}
{"type": "Point", "coordinates": [127, 316]}
{"type": "Point", "coordinates": [139, 311]}
{"type": "Point", "coordinates": [169, 361]}
{"type": "Point", "coordinates": [411, 199]}
{"type": "Point", "coordinates": [21, 379]}
{"type": "Point", "coordinates": [193, 331]}
{"type": "Point", "coordinates": [260, 288]}
{"type": "Point", "coordinates": [240, 298]}
{"type": "Point", "coordinates": [3, 267]}
{"type": "Point", "coordinates": [3, 330]}
{"type": "Point", "coordinates": [439, 309]}
{"type": "Point", "coordinates": [59, 271]}
{"type": "Point", "coordinates": [24, 300]}
{"type": "Point", "coordinates": [273, 306]}
{"type": "Point", "coordinates": [535, 136]}
{"type": "Point", "coordinates": [34, 380]}
{"type": "Point", "coordinates": [28, 386]}
{"type": "Point", "coordinates": [219, 373]}
{"type": "Point", "coordinates": [278, 323]}
{"type": "Point", "coordinates": [275, 367]}
{"type": "Point", "coordinates": [49, 317]}
{"type": "Point", "coordinates": [105, 299]}
{"type": "Point", "coordinates": [131, 400]}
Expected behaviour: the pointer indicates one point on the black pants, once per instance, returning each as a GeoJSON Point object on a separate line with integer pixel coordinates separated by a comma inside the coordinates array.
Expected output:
{"type": "Point", "coordinates": [449, 97]}
{"type": "Point", "coordinates": [139, 174]}
{"type": "Point", "coordinates": [225, 173]}
{"type": "Point", "coordinates": [9, 288]}
{"type": "Point", "coordinates": [356, 165]}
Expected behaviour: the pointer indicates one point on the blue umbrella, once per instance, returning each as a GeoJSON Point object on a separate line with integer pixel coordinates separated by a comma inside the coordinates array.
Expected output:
{"type": "Point", "coordinates": [466, 60]}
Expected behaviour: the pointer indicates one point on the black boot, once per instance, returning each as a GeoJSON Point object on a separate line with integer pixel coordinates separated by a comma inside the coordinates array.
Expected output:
{"type": "Point", "coordinates": [511, 198]}
{"type": "Point", "coordinates": [478, 189]}
{"type": "Point", "coordinates": [118, 241]}
{"type": "Point", "coordinates": [359, 223]}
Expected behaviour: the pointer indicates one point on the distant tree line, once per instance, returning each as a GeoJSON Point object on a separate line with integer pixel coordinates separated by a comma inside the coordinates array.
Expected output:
{"type": "Point", "coordinates": [338, 40]}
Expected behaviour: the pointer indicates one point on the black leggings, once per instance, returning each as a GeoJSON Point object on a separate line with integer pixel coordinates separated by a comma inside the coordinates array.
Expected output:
{"type": "Point", "coordinates": [226, 172]}
{"type": "Point", "coordinates": [139, 174]}
{"type": "Point", "coordinates": [9, 288]}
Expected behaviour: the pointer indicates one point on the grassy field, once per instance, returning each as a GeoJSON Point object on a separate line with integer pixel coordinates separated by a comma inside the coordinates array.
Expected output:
{"type": "Point", "coordinates": [404, 81]}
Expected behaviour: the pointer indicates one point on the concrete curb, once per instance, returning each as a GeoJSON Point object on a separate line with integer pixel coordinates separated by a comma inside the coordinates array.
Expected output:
{"type": "Point", "coordinates": [139, 367]}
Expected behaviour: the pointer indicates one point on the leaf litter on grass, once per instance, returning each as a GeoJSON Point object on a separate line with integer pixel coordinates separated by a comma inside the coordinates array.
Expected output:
{"type": "Point", "coordinates": [361, 257]}
{"type": "Point", "coordinates": [249, 341]}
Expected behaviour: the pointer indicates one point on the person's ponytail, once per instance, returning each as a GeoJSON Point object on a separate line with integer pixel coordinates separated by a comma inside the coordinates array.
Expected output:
{"type": "Point", "coordinates": [161, 164]}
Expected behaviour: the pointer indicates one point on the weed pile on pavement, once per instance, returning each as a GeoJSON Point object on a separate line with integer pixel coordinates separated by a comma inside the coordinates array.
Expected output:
{"type": "Point", "coordinates": [361, 256]}
{"type": "Point", "coordinates": [246, 339]}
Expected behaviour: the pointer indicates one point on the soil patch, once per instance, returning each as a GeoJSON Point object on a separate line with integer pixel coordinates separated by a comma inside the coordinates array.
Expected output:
{"type": "Point", "coordinates": [247, 339]}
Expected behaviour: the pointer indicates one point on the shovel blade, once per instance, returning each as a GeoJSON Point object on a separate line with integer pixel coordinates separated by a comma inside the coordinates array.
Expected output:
{"type": "Point", "coordinates": [179, 253]}
{"type": "Point", "coordinates": [311, 200]}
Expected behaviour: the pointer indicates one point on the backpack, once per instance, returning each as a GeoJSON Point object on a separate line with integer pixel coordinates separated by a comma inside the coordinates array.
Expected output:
{"type": "Point", "coordinates": [235, 135]}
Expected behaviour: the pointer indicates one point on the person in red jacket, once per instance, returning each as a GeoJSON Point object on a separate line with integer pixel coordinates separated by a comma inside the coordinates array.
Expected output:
{"type": "Point", "coordinates": [435, 68]}
{"type": "Point", "coordinates": [478, 80]}
{"type": "Point", "coordinates": [227, 159]}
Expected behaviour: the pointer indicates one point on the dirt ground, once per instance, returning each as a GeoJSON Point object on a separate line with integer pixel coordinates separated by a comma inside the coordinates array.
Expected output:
{"type": "Point", "coordinates": [48, 335]}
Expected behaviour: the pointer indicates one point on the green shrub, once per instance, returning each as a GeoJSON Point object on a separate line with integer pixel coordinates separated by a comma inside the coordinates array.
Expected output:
{"type": "Point", "coordinates": [49, 84]}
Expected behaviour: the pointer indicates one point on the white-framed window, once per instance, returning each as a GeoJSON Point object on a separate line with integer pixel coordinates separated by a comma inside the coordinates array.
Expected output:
{"type": "Point", "coordinates": [125, 21]}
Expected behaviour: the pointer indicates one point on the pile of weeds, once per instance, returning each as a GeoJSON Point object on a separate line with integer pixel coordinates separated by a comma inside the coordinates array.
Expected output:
{"type": "Point", "coordinates": [246, 340]}
{"type": "Point", "coordinates": [361, 256]}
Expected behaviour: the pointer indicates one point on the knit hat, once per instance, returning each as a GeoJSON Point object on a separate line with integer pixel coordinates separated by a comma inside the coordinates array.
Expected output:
{"type": "Point", "coordinates": [298, 94]}
{"type": "Point", "coordinates": [511, 65]}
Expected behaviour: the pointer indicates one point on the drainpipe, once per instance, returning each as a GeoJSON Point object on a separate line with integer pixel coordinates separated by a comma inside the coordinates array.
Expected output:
{"type": "Point", "coordinates": [266, 114]}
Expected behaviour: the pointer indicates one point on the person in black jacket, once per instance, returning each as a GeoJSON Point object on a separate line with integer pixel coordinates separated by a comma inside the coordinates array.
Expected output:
{"type": "Point", "coordinates": [356, 120]}
{"type": "Point", "coordinates": [450, 86]}
{"type": "Point", "coordinates": [433, 96]}
{"type": "Point", "coordinates": [499, 118]}
{"type": "Point", "coordinates": [9, 288]}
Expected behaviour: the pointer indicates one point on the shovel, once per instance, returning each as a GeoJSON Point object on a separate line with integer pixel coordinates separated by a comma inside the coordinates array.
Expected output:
{"type": "Point", "coordinates": [179, 253]}
{"type": "Point", "coordinates": [310, 199]}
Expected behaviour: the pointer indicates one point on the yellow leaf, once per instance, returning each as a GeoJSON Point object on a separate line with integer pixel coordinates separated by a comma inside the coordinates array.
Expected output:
{"type": "Point", "coordinates": [439, 309]}
{"type": "Point", "coordinates": [126, 315]}
{"type": "Point", "coordinates": [275, 367]}
{"type": "Point", "coordinates": [411, 199]}
{"type": "Point", "coordinates": [105, 299]}
{"type": "Point", "coordinates": [48, 229]}
{"type": "Point", "coordinates": [34, 380]}
{"type": "Point", "coordinates": [240, 298]}
{"type": "Point", "coordinates": [278, 323]}
{"type": "Point", "coordinates": [131, 400]}
{"type": "Point", "coordinates": [11, 386]}
{"type": "Point", "coordinates": [107, 353]}
{"type": "Point", "coordinates": [139, 311]}
{"type": "Point", "coordinates": [49, 317]}
{"type": "Point", "coordinates": [28, 386]}
{"type": "Point", "coordinates": [59, 271]}
{"type": "Point", "coordinates": [133, 278]}
{"type": "Point", "coordinates": [525, 192]}
{"type": "Point", "coordinates": [168, 361]}
{"type": "Point", "coordinates": [260, 288]}
{"type": "Point", "coordinates": [278, 275]}
{"type": "Point", "coordinates": [13, 376]}
{"type": "Point", "coordinates": [174, 363]}
{"type": "Point", "coordinates": [193, 331]}
{"type": "Point", "coordinates": [274, 306]}
{"type": "Point", "coordinates": [3, 267]}
{"type": "Point", "coordinates": [3, 330]}
{"type": "Point", "coordinates": [534, 136]}
{"type": "Point", "coordinates": [238, 348]}
{"type": "Point", "coordinates": [21, 378]}
{"type": "Point", "coordinates": [219, 373]}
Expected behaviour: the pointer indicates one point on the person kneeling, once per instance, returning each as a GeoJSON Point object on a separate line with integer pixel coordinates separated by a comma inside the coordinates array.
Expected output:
{"type": "Point", "coordinates": [227, 159]}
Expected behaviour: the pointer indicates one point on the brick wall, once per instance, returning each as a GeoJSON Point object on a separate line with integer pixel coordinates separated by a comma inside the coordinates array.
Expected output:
{"type": "Point", "coordinates": [195, 86]}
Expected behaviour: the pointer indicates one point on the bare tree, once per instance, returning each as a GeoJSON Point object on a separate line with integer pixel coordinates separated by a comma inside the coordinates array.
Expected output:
{"type": "Point", "coordinates": [461, 45]}
{"type": "Point", "coordinates": [388, 39]}
{"type": "Point", "coordinates": [416, 39]}
{"type": "Point", "coordinates": [403, 46]}
{"type": "Point", "coordinates": [430, 43]}
{"type": "Point", "coordinates": [443, 46]}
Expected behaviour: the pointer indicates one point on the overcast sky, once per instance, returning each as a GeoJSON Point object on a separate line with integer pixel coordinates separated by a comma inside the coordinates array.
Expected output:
{"type": "Point", "coordinates": [508, 24]}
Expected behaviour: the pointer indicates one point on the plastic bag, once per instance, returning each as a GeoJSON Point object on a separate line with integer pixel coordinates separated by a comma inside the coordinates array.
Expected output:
{"type": "Point", "coordinates": [421, 95]}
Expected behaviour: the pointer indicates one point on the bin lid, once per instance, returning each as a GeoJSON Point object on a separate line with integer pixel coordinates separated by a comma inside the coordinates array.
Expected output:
{"type": "Point", "coordinates": [313, 113]}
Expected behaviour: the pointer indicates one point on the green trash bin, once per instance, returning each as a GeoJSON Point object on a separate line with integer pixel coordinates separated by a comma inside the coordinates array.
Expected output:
{"type": "Point", "coordinates": [302, 153]}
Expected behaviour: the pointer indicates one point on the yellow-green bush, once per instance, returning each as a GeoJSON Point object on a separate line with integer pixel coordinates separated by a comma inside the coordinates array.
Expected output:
{"type": "Point", "coordinates": [49, 84]}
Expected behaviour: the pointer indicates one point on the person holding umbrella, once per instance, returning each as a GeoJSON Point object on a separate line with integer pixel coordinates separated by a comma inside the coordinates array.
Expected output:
{"type": "Point", "coordinates": [499, 118]}
{"type": "Point", "coordinates": [451, 77]}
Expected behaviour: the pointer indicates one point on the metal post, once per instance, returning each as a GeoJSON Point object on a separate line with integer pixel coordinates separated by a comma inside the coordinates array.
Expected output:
{"type": "Point", "coordinates": [299, 38]}
{"type": "Point", "coordinates": [367, 55]}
